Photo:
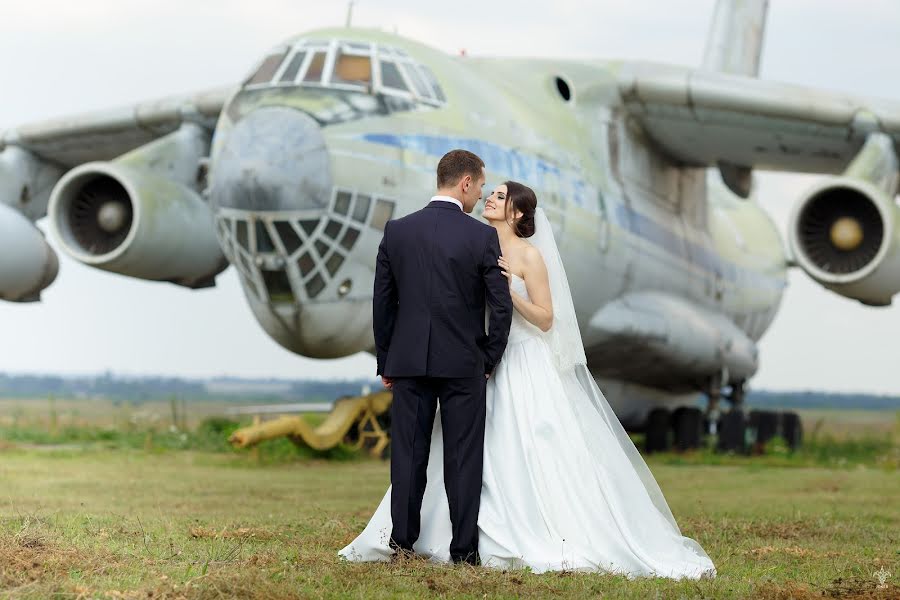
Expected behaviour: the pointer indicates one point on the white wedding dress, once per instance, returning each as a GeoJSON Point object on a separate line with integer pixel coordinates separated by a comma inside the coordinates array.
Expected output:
{"type": "Point", "coordinates": [563, 487]}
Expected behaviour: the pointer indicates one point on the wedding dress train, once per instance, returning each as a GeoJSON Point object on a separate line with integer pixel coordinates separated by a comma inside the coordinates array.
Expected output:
{"type": "Point", "coordinates": [563, 487]}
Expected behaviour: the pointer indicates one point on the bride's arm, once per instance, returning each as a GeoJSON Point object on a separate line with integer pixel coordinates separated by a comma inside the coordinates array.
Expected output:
{"type": "Point", "coordinates": [539, 310]}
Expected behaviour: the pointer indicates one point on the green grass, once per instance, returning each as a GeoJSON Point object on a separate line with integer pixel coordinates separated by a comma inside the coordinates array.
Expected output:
{"type": "Point", "coordinates": [838, 439]}
{"type": "Point", "coordinates": [92, 523]}
{"type": "Point", "coordinates": [112, 502]}
{"type": "Point", "coordinates": [210, 435]}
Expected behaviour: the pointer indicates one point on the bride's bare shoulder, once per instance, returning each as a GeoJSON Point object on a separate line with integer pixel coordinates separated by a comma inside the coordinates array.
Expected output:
{"type": "Point", "coordinates": [532, 257]}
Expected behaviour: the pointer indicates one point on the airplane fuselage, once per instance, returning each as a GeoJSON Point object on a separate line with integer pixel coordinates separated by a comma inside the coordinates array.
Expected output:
{"type": "Point", "coordinates": [674, 277]}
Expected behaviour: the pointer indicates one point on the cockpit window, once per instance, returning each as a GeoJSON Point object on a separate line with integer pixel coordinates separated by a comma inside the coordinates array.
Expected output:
{"type": "Point", "coordinates": [316, 68]}
{"type": "Point", "coordinates": [268, 68]}
{"type": "Point", "coordinates": [432, 81]}
{"type": "Point", "coordinates": [352, 69]}
{"type": "Point", "coordinates": [391, 77]}
{"type": "Point", "coordinates": [418, 84]}
{"type": "Point", "coordinates": [359, 46]}
{"type": "Point", "coordinates": [365, 67]}
{"type": "Point", "coordinates": [290, 73]}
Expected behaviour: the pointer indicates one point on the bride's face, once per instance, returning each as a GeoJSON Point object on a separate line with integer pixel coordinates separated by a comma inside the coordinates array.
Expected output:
{"type": "Point", "coordinates": [495, 205]}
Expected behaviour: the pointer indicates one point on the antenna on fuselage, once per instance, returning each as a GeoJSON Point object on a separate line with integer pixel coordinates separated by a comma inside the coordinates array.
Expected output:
{"type": "Point", "coordinates": [349, 13]}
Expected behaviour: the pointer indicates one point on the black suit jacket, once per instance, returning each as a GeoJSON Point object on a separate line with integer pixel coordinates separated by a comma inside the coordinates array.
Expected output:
{"type": "Point", "coordinates": [436, 272]}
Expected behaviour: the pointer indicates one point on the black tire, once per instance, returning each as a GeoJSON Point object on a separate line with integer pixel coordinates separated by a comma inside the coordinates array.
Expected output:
{"type": "Point", "coordinates": [657, 431]}
{"type": "Point", "coordinates": [738, 394]}
{"type": "Point", "coordinates": [765, 426]}
{"type": "Point", "coordinates": [687, 423]}
{"type": "Point", "coordinates": [792, 429]}
{"type": "Point", "coordinates": [732, 429]}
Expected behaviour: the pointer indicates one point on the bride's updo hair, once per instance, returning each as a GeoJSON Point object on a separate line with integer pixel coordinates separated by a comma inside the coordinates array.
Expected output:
{"type": "Point", "coordinates": [521, 198]}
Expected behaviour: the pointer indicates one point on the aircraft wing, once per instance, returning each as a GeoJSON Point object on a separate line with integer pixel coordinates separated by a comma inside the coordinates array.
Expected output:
{"type": "Point", "coordinates": [703, 118]}
{"type": "Point", "coordinates": [70, 141]}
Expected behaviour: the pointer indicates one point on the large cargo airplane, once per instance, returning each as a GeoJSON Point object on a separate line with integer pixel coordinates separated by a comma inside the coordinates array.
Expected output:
{"type": "Point", "coordinates": [645, 170]}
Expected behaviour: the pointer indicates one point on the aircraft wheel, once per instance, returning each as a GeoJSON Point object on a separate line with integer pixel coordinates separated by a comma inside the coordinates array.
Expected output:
{"type": "Point", "coordinates": [732, 429]}
{"type": "Point", "coordinates": [657, 436]}
{"type": "Point", "coordinates": [792, 429]}
{"type": "Point", "coordinates": [764, 423]}
{"type": "Point", "coordinates": [688, 427]}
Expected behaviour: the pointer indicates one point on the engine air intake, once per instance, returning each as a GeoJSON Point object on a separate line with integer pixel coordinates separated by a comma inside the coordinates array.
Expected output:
{"type": "Point", "coordinates": [101, 215]}
{"type": "Point", "coordinates": [840, 230]}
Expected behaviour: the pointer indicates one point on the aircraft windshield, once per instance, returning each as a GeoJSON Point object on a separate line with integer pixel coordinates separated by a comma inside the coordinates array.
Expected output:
{"type": "Point", "coordinates": [344, 65]}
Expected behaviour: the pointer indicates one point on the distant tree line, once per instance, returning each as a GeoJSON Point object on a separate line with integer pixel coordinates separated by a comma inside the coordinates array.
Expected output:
{"type": "Point", "coordinates": [809, 399]}
{"type": "Point", "coordinates": [142, 389]}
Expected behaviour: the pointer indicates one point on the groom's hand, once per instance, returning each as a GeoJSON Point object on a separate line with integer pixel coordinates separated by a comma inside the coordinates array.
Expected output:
{"type": "Point", "coordinates": [387, 382]}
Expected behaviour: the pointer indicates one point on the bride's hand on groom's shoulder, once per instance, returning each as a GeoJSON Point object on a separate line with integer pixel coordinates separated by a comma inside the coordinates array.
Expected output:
{"type": "Point", "coordinates": [505, 270]}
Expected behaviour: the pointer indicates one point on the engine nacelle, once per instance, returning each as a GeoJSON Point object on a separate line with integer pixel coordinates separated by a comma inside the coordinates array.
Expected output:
{"type": "Point", "coordinates": [844, 233]}
{"type": "Point", "coordinates": [29, 264]}
{"type": "Point", "coordinates": [132, 221]}
{"type": "Point", "coordinates": [26, 181]}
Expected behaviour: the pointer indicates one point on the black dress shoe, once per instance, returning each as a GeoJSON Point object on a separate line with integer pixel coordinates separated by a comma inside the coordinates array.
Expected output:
{"type": "Point", "coordinates": [472, 558]}
{"type": "Point", "coordinates": [400, 553]}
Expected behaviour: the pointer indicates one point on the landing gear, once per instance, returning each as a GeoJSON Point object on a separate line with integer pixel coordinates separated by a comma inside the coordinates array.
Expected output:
{"type": "Point", "coordinates": [687, 423]}
{"type": "Point", "coordinates": [657, 434]}
{"type": "Point", "coordinates": [682, 429]}
{"type": "Point", "coordinates": [792, 429]}
{"type": "Point", "coordinates": [732, 428]}
{"type": "Point", "coordinates": [765, 425]}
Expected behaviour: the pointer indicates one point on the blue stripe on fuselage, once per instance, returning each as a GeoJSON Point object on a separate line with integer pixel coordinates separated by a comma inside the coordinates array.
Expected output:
{"type": "Point", "coordinates": [534, 171]}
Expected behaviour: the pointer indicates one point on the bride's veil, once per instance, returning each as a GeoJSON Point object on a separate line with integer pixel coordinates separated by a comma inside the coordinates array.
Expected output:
{"type": "Point", "coordinates": [564, 338]}
{"type": "Point", "coordinates": [603, 432]}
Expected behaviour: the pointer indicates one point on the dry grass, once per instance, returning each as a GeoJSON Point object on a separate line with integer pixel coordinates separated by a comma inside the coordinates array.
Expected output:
{"type": "Point", "coordinates": [74, 412]}
{"type": "Point", "coordinates": [843, 424]}
{"type": "Point", "coordinates": [130, 524]}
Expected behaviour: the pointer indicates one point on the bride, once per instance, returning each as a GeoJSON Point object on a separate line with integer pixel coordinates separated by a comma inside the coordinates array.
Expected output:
{"type": "Point", "coordinates": [563, 487]}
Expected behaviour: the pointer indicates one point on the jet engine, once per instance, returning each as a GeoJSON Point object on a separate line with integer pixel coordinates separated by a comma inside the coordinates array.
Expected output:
{"type": "Point", "coordinates": [140, 214]}
{"type": "Point", "coordinates": [29, 264]}
{"type": "Point", "coordinates": [844, 233]}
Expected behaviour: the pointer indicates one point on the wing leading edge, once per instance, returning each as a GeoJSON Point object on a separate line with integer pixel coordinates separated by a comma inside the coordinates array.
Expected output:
{"type": "Point", "coordinates": [70, 141]}
{"type": "Point", "coordinates": [705, 118]}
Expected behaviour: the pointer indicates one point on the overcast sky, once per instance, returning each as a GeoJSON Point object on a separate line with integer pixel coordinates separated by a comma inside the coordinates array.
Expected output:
{"type": "Point", "coordinates": [61, 57]}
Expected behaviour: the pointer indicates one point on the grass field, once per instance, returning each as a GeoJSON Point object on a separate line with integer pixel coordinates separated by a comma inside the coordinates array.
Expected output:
{"type": "Point", "coordinates": [180, 517]}
{"type": "Point", "coordinates": [133, 524]}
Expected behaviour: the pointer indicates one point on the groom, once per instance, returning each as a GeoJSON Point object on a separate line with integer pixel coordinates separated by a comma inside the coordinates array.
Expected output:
{"type": "Point", "coordinates": [435, 273]}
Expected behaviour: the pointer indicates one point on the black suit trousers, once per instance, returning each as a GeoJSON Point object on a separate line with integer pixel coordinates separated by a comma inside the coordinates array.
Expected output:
{"type": "Point", "coordinates": [462, 404]}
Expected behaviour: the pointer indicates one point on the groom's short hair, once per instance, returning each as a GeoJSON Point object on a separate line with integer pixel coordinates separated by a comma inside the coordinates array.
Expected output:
{"type": "Point", "coordinates": [455, 165]}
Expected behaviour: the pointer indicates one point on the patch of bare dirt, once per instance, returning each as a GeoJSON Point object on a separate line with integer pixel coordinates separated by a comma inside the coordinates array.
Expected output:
{"type": "Point", "coordinates": [856, 589]}
{"type": "Point", "coordinates": [26, 560]}
{"type": "Point", "coordinates": [842, 589]}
